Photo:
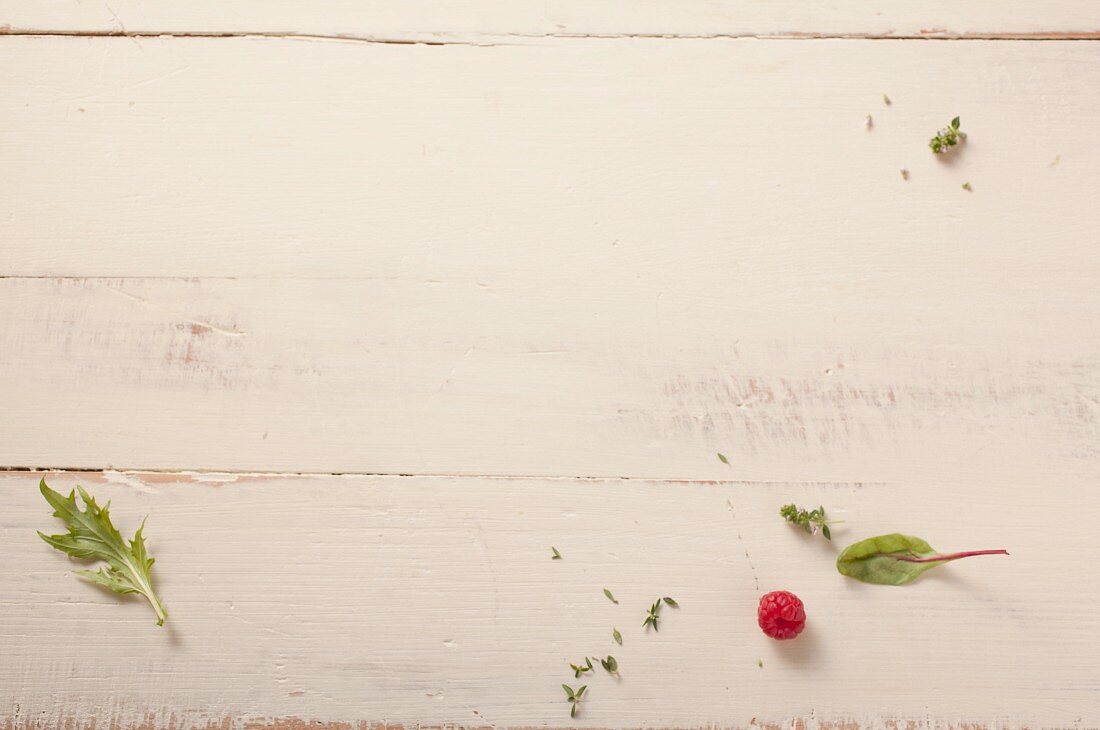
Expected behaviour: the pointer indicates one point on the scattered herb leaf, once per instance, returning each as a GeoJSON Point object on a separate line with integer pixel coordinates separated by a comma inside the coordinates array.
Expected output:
{"type": "Point", "coordinates": [895, 559]}
{"type": "Point", "coordinates": [670, 602]}
{"type": "Point", "coordinates": [811, 521]}
{"type": "Point", "coordinates": [557, 555]}
{"type": "Point", "coordinates": [653, 615]}
{"type": "Point", "coordinates": [722, 458]}
{"type": "Point", "coordinates": [92, 536]}
{"type": "Point", "coordinates": [579, 669]}
{"type": "Point", "coordinates": [905, 173]}
{"type": "Point", "coordinates": [610, 597]}
{"type": "Point", "coordinates": [967, 188]}
{"type": "Point", "coordinates": [573, 697]}
{"type": "Point", "coordinates": [947, 137]}
{"type": "Point", "coordinates": [610, 664]}
{"type": "Point", "coordinates": [617, 636]}
{"type": "Point", "coordinates": [760, 663]}
{"type": "Point", "coordinates": [886, 100]}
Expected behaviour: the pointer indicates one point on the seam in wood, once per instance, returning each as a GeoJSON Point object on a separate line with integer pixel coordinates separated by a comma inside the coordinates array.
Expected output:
{"type": "Point", "coordinates": [209, 473]}
{"type": "Point", "coordinates": [493, 40]}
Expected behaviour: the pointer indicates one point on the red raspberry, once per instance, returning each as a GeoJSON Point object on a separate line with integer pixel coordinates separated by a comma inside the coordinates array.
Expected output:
{"type": "Point", "coordinates": [781, 615]}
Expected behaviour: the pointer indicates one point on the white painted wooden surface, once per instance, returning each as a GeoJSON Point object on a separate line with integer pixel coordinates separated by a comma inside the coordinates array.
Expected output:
{"type": "Point", "coordinates": [434, 600]}
{"type": "Point", "coordinates": [435, 21]}
{"type": "Point", "coordinates": [568, 260]}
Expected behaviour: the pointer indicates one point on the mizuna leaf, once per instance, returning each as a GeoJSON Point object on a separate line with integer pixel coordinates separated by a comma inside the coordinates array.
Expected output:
{"type": "Point", "coordinates": [895, 559]}
{"type": "Point", "coordinates": [92, 536]}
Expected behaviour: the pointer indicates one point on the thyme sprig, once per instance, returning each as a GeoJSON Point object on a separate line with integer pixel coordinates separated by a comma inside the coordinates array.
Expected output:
{"type": "Point", "coordinates": [574, 697]}
{"type": "Point", "coordinates": [810, 520]}
{"type": "Point", "coordinates": [947, 137]}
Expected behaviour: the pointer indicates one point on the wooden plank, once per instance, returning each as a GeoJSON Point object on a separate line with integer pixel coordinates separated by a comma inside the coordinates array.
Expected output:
{"type": "Point", "coordinates": [434, 601]}
{"type": "Point", "coordinates": [435, 22]}
{"type": "Point", "coordinates": [984, 373]}
{"type": "Point", "coordinates": [589, 164]}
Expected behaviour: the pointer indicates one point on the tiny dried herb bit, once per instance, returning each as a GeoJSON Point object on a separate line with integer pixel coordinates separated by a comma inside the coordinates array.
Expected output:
{"type": "Point", "coordinates": [947, 137]}
{"type": "Point", "coordinates": [92, 536]}
{"type": "Point", "coordinates": [617, 636]}
{"type": "Point", "coordinates": [722, 458]}
{"type": "Point", "coordinates": [670, 602]}
{"type": "Point", "coordinates": [886, 100]}
{"type": "Point", "coordinates": [610, 664]}
{"type": "Point", "coordinates": [653, 615]}
{"type": "Point", "coordinates": [905, 173]}
{"type": "Point", "coordinates": [557, 555]}
{"type": "Point", "coordinates": [610, 597]}
{"type": "Point", "coordinates": [573, 697]}
{"type": "Point", "coordinates": [760, 663]}
{"type": "Point", "coordinates": [967, 188]}
{"type": "Point", "coordinates": [809, 520]}
{"type": "Point", "coordinates": [868, 122]}
{"type": "Point", "coordinates": [895, 559]}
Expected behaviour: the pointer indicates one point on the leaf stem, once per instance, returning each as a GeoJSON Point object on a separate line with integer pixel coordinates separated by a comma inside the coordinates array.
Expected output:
{"type": "Point", "coordinates": [949, 556]}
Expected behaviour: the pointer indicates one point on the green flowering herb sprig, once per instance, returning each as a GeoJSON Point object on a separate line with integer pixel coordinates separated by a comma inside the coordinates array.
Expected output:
{"type": "Point", "coordinates": [947, 137]}
{"type": "Point", "coordinates": [809, 520]}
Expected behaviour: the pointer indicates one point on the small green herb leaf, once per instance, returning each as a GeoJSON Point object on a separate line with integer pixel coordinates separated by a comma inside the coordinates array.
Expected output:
{"type": "Point", "coordinates": [722, 458]}
{"type": "Point", "coordinates": [580, 692]}
{"type": "Point", "coordinates": [610, 664]}
{"type": "Point", "coordinates": [895, 559]}
{"type": "Point", "coordinates": [967, 188]}
{"type": "Point", "coordinates": [557, 555]}
{"type": "Point", "coordinates": [573, 710]}
{"type": "Point", "coordinates": [617, 636]}
{"type": "Point", "coordinates": [609, 596]}
{"type": "Point", "coordinates": [568, 691]}
{"type": "Point", "coordinates": [886, 100]}
{"type": "Point", "coordinates": [92, 536]}
{"type": "Point", "coordinates": [670, 602]}
{"type": "Point", "coordinates": [760, 663]}
{"type": "Point", "coordinates": [955, 123]}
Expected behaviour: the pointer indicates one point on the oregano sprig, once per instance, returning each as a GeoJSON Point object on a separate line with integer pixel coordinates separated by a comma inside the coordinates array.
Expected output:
{"type": "Point", "coordinates": [809, 520]}
{"type": "Point", "coordinates": [947, 137]}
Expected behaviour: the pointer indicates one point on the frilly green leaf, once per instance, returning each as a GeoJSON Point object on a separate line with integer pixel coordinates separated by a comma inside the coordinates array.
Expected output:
{"type": "Point", "coordinates": [92, 536]}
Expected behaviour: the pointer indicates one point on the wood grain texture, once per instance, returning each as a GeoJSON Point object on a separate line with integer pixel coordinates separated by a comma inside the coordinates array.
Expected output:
{"type": "Point", "coordinates": [489, 20]}
{"type": "Point", "coordinates": [434, 601]}
{"type": "Point", "coordinates": [612, 258]}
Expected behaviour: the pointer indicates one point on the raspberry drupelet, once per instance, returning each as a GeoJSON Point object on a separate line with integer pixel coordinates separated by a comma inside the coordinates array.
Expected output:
{"type": "Point", "coordinates": [781, 615]}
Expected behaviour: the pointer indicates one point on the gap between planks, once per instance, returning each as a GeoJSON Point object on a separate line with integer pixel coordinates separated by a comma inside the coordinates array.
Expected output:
{"type": "Point", "coordinates": [511, 39]}
{"type": "Point", "coordinates": [213, 474]}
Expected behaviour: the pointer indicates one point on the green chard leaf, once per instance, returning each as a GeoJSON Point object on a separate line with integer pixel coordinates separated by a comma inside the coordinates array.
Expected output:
{"type": "Point", "coordinates": [895, 559]}
{"type": "Point", "coordinates": [609, 596]}
{"type": "Point", "coordinates": [92, 536]}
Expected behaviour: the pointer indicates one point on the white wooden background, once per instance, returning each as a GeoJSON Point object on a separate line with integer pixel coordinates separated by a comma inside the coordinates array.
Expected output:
{"type": "Point", "coordinates": [368, 304]}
